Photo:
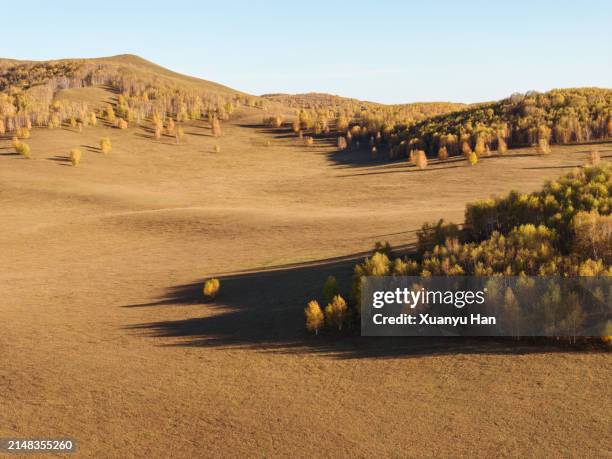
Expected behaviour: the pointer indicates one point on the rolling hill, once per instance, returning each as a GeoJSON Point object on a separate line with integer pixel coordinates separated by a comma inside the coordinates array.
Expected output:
{"type": "Point", "coordinates": [106, 336]}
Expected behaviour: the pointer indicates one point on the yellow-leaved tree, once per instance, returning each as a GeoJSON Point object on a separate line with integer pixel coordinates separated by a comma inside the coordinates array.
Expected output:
{"type": "Point", "coordinates": [314, 317]}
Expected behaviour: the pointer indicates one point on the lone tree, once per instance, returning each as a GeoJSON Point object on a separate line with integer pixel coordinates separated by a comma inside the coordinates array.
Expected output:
{"type": "Point", "coordinates": [315, 319]}
{"type": "Point", "coordinates": [211, 288]}
{"type": "Point", "coordinates": [110, 114]}
{"type": "Point", "coordinates": [420, 159]}
{"type": "Point", "coordinates": [472, 158]}
{"type": "Point", "coordinates": [180, 133]}
{"type": "Point", "coordinates": [543, 147]}
{"type": "Point", "coordinates": [105, 145]}
{"type": "Point", "coordinates": [335, 312]}
{"type": "Point", "coordinates": [75, 156]}
{"type": "Point", "coordinates": [594, 158]}
{"type": "Point", "coordinates": [23, 149]}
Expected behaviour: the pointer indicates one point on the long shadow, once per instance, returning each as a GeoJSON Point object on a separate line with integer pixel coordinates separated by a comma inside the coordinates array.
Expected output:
{"type": "Point", "coordinates": [263, 310]}
{"type": "Point", "coordinates": [200, 134]}
{"type": "Point", "coordinates": [92, 148]}
{"type": "Point", "coordinates": [406, 170]}
{"type": "Point", "coordinates": [571, 166]}
{"type": "Point", "coordinates": [285, 132]}
{"type": "Point", "coordinates": [59, 159]}
{"type": "Point", "coordinates": [362, 158]}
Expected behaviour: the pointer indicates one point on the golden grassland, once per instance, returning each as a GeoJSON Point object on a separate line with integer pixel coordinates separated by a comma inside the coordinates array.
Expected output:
{"type": "Point", "coordinates": [107, 338]}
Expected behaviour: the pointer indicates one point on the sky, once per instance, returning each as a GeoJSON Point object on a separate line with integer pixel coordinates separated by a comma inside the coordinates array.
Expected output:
{"type": "Point", "coordinates": [383, 51]}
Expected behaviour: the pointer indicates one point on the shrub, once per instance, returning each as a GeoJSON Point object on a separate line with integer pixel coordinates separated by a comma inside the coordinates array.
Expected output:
{"type": "Point", "coordinates": [342, 143]}
{"type": "Point", "coordinates": [122, 124]}
{"type": "Point", "coordinates": [2, 127]}
{"type": "Point", "coordinates": [309, 141]}
{"type": "Point", "coordinates": [93, 119]}
{"type": "Point", "coordinates": [330, 289]}
{"type": "Point", "coordinates": [75, 156]}
{"type": "Point", "coordinates": [23, 149]}
{"type": "Point", "coordinates": [472, 158]}
{"type": "Point", "coordinates": [211, 288]}
{"type": "Point", "coordinates": [336, 312]}
{"type": "Point", "coordinates": [217, 148]}
{"type": "Point", "coordinates": [105, 145]}
{"type": "Point", "coordinates": [442, 154]}
{"type": "Point", "coordinates": [15, 142]}
{"type": "Point", "coordinates": [466, 149]}
{"type": "Point", "coordinates": [315, 319]}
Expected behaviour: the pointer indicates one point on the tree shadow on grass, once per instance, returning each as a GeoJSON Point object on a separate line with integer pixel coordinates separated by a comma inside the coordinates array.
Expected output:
{"type": "Point", "coordinates": [92, 148]}
{"type": "Point", "coordinates": [263, 310]}
{"type": "Point", "coordinates": [361, 158]}
{"type": "Point", "coordinates": [61, 160]}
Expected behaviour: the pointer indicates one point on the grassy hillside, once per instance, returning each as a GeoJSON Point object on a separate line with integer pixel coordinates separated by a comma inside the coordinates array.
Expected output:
{"type": "Point", "coordinates": [559, 116]}
{"type": "Point", "coordinates": [321, 105]}
{"type": "Point", "coordinates": [50, 93]}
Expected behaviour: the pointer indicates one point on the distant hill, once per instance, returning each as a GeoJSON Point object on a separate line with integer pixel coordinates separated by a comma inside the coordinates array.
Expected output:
{"type": "Point", "coordinates": [558, 116]}
{"type": "Point", "coordinates": [49, 93]}
{"type": "Point", "coordinates": [24, 74]}
{"type": "Point", "coordinates": [404, 112]}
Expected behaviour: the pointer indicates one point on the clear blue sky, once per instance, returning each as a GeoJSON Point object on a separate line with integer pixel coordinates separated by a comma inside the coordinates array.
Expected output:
{"type": "Point", "coordinates": [386, 51]}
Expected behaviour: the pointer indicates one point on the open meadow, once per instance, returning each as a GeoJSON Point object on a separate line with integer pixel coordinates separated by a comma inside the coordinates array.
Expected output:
{"type": "Point", "coordinates": [106, 337]}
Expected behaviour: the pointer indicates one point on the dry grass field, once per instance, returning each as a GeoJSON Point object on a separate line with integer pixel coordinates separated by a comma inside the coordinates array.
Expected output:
{"type": "Point", "coordinates": [105, 336]}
